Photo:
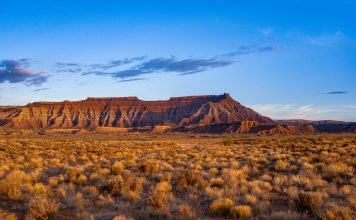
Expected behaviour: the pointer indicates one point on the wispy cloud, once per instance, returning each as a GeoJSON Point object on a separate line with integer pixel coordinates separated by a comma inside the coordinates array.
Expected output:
{"type": "Point", "coordinates": [311, 112]}
{"type": "Point", "coordinates": [131, 80]}
{"type": "Point", "coordinates": [67, 67]}
{"type": "Point", "coordinates": [97, 67]}
{"type": "Point", "coordinates": [336, 93]}
{"type": "Point", "coordinates": [169, 65]}
{"type": "Point", "coordinates": [17, 71]}
{"type": "Point", "coordinates": [116, 63]}
{"type": "Point", "coordinates": [142, 65]}
{"type": "Point", "coordinates": [41, 89]}
{"type": "Point", "coordinates": [249, 49]}
{"type": "Point", "coordinates": [37, 80]}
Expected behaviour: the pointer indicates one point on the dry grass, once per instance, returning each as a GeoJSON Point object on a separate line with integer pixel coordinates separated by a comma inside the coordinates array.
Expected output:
{"type": "Point", "coordinates": [241, 211]}
{"type": "Point", "coordinates": [221, 207]}
{"type": "Point", "coordinates": [310, 177]}
{"type": "Point", "coordinates": [42, 208]}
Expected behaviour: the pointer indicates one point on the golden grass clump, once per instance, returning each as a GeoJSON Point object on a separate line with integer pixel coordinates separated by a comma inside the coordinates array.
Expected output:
{"type": "Point", "coordinates": [335, 212]}
{"type": "Point", "coordinates": [42, 208]}
{"type": "Point", "coordinates": [190, 178]}
{"type": "Point", "coordinates": [309, 202]}
{"type": "Point", "coordinates": [250, 199]}
{"type": "Point", "coordinates": [12, 185]}
{"type": "Point", "coordinates": [185, 211]}
{"type": "Point", "coordinates": [241, 211]}
{"type": "Point", "coordinates": [221, 207]}
{"type": "Point", "coordinates": [160, 195]}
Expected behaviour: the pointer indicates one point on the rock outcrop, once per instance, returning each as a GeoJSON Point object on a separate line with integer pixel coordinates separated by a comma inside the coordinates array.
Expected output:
{"type": "Point", "coordinates": [130, 112]}
{"type": "Point", "coordinates": [196, 114]}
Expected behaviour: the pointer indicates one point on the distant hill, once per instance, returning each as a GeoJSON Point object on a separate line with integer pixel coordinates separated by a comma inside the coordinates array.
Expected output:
{"type": "Point", "coordinates": [202, 114]}
{"type": "Point", "coordinates": [304, 122]}
{"type": "Point", "coordinates": [318, 126]}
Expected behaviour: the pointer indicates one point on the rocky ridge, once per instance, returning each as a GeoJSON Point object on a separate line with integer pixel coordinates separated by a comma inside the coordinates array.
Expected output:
{"type": "Point", "coordinates": [195, 114]}
{"type": "Point", "coordinates": [129, 112]}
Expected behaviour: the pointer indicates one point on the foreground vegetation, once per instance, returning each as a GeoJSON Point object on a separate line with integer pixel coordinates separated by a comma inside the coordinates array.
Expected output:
{"type": "Point", "coordinates": [308, 177]}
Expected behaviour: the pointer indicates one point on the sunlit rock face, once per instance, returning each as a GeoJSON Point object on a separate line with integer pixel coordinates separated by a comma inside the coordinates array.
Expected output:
{"type": "Point", "coordinates": [129, 112]}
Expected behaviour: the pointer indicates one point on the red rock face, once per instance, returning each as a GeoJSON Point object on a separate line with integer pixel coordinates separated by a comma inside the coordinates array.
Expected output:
{"type": "Point", "coordinates": [130, 112]}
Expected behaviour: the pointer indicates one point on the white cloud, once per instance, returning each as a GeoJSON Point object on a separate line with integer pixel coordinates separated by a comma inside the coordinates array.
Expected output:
{"type": "Point", "coordinates": [329, 40]}
{"type": "Point", "coordinates": [311, 112]}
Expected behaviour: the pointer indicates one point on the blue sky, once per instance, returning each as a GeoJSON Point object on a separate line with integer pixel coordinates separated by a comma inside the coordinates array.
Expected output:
{"type": "Point", "coordinates": [285, 59]}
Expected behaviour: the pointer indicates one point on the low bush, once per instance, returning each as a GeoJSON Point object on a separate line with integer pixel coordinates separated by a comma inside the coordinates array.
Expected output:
{"type": "Point", "coordinates": [221, 207]}
{"type": "Point", "coordinates": [241, 211]}
{"type": "Point", "coordinates": [160, 195]}
{"type": "Point", "coordinates": [309, 202]}
{"type": "Point", "coordinates": [185, 212]}
{"type": "Point", "coordinates": [335, 212]}
{"type": "Point", "coordinates": [42, 208]}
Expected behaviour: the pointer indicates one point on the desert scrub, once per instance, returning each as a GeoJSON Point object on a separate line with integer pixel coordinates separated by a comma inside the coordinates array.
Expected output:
{"type": "Point", "coordinates": [250, 199]}
{"type": "Point", "coordinates": [221, 207]}
{"type": "Point", "coordinates": [42, 208]}
{"type": "Point", "coordinates": [185, 211]}
{"type": "Point", "coordinates": [241, 211]}
{"type": "Point", "coordinates": [12, 185]}
{"type": "Point", "coordinates": [338, 172]}
{"type": "Point", "coordinates": [7, 216]}
{"type": "Point", "coordinates": [190, 178]}
{"type": "Point", "coordinates": [198, 178]}
{"type": "Point", "coordinates": [309, 202]}
{"type": "Point", "coordinates": [335, 212]}
{"type": "Point", "coordinates": [160, 195]}
{"type": "Point", "coordinates": [148, 168]}
{"type": "Point", "coordinates": [281, 165]}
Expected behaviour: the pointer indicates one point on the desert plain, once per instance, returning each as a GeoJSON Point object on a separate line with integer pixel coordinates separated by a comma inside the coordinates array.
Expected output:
{"type": "Point", "coordinates": [177, 176]}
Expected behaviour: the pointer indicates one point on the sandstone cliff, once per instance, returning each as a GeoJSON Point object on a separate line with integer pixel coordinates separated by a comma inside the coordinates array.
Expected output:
{"type": "Point", "coordinates": [129, 112]}
{"type": "Point", "coordinates": [196, 114]}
